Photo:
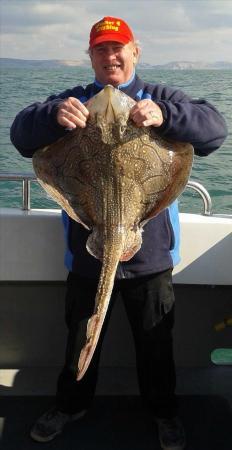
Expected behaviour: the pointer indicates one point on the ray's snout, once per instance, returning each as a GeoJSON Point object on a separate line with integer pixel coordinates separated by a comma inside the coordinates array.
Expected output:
{"type": "Point", "coordinates": [110, 104]}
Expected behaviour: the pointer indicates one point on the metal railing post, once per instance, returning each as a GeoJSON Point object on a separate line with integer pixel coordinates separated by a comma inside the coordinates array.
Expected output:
{"type": "Point", "coordinates": [26, 194]}
{"type": "Point", "coordinates": [204, 195]}
{"type": "Point", "coordinates": [26, 179]}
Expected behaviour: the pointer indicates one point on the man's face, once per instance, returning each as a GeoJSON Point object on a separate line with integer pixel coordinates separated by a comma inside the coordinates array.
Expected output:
{"type": "Point", "coordinates": [113, 62]}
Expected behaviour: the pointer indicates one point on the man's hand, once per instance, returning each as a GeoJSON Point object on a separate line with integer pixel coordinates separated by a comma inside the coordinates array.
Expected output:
{"type": "Point", "coordinates": [146, 113]}
{"type": "Point", "coordinates": [72, 113]}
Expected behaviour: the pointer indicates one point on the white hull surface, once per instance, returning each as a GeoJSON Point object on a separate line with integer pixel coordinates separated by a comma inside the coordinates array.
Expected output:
{"type": "Point", "coordinates": [32, 247]}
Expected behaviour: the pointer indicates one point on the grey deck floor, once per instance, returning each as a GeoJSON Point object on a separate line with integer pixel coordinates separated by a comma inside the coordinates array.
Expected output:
{"type": "Point", "coordinates": [117, 419]}
{"type": "Point", "coordinates": [118, 423]}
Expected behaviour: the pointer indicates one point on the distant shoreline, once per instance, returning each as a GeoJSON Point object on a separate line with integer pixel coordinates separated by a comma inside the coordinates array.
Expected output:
{"type": "Point", "coordinates": [85, 64]}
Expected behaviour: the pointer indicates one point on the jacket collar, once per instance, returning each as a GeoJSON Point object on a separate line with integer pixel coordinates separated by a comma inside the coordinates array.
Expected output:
{"type": "Point", "coordinates": [131, 88]}
{"type": "Point", "coordinates": [120, 86]}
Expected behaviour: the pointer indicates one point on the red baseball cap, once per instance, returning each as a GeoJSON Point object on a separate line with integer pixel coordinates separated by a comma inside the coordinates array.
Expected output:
{"type": "Point", "coordinates": [110, 29]}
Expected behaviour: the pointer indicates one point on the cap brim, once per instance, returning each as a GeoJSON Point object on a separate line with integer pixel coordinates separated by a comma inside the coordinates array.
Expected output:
{"type": "Point", "coordinates": [108, 38]}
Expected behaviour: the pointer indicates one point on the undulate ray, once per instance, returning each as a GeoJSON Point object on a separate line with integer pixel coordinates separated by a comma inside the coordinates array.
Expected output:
{"type": "Point", "coordinates": [112, 177]}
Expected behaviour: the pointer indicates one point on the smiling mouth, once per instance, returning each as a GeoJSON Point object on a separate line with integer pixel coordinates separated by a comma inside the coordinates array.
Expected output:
{"type": "Point", "coordinates": [112, 67]}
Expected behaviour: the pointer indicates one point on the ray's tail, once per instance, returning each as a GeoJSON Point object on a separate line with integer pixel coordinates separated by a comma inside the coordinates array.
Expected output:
{"type": "Point", "coordinates": [111, 256]}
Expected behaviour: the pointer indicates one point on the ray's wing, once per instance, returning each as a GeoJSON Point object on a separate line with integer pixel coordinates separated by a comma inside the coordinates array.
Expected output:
{"type": "Point", "coordinates": [168, 166]}
{"type": "Point", "coordinates": [67, 171]}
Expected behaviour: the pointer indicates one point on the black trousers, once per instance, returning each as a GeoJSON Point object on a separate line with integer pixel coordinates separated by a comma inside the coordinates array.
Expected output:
{"type": "Point", "coordinates": [145, 299]}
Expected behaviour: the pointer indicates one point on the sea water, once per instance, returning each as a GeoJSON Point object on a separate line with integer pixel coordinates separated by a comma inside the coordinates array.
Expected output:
{"type": "Point", "coordinates": [21, 87]}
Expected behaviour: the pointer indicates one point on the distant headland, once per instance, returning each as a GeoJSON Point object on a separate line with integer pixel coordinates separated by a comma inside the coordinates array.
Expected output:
{"type": "Point", "coordinates": [55, 63]}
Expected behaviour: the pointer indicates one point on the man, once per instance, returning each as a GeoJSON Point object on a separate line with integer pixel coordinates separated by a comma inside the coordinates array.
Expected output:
{"type": "Point", "coordinates": [145, 282]}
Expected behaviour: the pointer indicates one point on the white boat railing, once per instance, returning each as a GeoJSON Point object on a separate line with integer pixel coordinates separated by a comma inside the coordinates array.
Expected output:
{"type": "Point", "coordinates": [27, 178]}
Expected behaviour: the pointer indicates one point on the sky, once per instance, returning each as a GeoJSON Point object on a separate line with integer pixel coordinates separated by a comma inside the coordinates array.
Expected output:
{"type": "Point", "coordinates": [168, 30]}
